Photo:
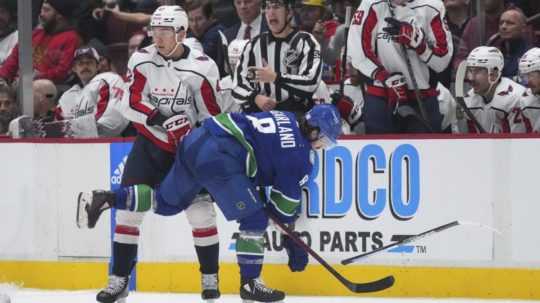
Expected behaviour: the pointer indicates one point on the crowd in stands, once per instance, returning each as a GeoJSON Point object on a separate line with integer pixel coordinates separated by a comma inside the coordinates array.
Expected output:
{"type": "Point", "coordinates": [76, 41]}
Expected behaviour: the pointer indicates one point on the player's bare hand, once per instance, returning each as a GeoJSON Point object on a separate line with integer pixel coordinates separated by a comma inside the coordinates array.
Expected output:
{"type": "Point", "coordinates": [263, 74]}
{"type": "Point", "coordinates": [265, 103]}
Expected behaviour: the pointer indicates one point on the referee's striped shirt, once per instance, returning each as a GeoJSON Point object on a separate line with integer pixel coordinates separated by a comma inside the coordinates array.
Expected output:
{"type": "Point", "coordinates": [296, 60]}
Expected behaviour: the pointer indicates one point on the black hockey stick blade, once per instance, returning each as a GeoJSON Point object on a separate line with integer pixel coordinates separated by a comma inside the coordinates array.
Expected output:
{"type": "Point", "coordinates": [366, 287]}
{"type": "Point", "coordinates": [404, 241]}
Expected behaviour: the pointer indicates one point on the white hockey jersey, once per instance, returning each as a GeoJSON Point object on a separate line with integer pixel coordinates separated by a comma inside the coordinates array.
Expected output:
{"type": "Point", "coordinates": [227, 103]}
{"type": "Point", "coordinates": [530, 112]}
{"type": "Point", "coordinates": [447, 108]}
{"type": "Point", "coordinates": [372, 50]}
{"type": "Point", "coordinates": [99, 97]}
{"type": "Point", "coordinates": [186, 86]}
{"type": "Point", "coordinates": [497, 116]}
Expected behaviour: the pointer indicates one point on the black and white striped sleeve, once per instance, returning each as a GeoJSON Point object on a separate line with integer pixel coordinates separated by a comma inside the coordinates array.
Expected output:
{"type": "Point", "coordinates": [309, 73]}
{"type": "Point", "coordinates": [243, 90]}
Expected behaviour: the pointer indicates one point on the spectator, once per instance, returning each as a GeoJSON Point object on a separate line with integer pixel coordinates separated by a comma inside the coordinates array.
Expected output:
{"type": "Point", "coordinates": [471, 37]}
{"type": "Point", "coordinates": [204, 26]}
{"type": "Point", "coordinates": [8, 107]}
{"type": "Point", "coordinates": [8, 28]}
{"type": "Point", "coordinates": [457, 15]}
{"type": "Point", "coordinates": [134, 42]}
{"type": "Point", "coordinates": [44, 100]}
{"type": "Point", "coordinates": [251, 21]}
{"type": "Point", "coordinates": [54, 44]}
{"type": "Point", "coordinates": [251, 25]}
{"type": "Point", "coordinates": [513, 40]}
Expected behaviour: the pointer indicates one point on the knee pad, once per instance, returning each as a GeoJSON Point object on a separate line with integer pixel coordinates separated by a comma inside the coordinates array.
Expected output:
{"type": "Point", "coordinates": [127, 226]}
{"type": "Point", "coordinates": [201, 213]}
{"type": "Point", "coordinates": [129, 218]}
{"type": "Point", "coordinates": [201, 216]}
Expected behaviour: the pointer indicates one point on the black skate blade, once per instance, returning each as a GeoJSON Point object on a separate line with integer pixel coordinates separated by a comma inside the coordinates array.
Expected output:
{"type": "Point", "coordinates": [82, 215]}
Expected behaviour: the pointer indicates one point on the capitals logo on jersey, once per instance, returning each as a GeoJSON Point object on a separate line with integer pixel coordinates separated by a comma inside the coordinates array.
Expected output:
{"type": "Point", "coordinates": [175, 100]}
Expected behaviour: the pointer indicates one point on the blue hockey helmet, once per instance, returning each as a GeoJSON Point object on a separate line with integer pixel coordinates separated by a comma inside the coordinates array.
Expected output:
{"type": "Point", "coordinates": [326, 118]}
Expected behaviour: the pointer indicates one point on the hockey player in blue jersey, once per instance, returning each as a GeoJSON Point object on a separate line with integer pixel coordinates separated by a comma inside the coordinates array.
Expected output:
{"type": "Point", "coordinates": [233, 156]}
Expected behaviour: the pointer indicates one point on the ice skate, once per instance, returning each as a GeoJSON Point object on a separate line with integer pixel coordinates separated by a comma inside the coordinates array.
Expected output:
{"type": "Point", "coordinates": [254, 290]}
{"type": "Point", "coordinates": [115, 292]}
{"type": "Point", "coordinates": [210, 287]}
{"type": "Point", "coordinates": [90, 205]}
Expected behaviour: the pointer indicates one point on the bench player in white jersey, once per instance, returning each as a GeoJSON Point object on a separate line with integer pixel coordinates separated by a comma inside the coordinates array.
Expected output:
{"type": "Point", "coordinates": [88, 109]}
{"type": "Point", "coordinates": [95, 94]}
{"type": "Point", "coordinates": [170, 88]}
{"type": "Point", "coordinates": [379, 32]}
{"type": "Point", "coordinates": [493, 100]}
{"type": "Point", "coordinates": [529, 69]}
{"type": "Point", "coordinates": [228, 104]}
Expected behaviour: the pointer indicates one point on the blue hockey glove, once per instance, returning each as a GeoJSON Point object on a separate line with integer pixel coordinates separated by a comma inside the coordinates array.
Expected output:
{"type": "Point", "coordinates": [298, 257]}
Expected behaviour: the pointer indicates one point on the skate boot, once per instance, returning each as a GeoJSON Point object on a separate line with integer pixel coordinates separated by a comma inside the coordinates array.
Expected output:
{"type": "Point", "coordinates": [254, 290]}
{"type": "Point", "coordinates": [116, 291]}
{"type": "Point", "coordinates": [90, 205]}
{"type": "Point", "coordinates": [210, 287]}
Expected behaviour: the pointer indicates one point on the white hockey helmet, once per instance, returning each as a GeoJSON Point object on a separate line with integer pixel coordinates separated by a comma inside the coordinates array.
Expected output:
{"type": "Point", "coordinates": [530, 62]}
{"type": "Point", "coordinates": [235, 49]}
{"type": "Point", "coordinates": [486, 56]}
{"type": "Point", "coordinates": [171, 16]}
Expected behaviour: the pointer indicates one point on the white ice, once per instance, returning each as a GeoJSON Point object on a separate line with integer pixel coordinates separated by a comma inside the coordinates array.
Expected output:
{"type": "Point", "coordinates": [18, 295]}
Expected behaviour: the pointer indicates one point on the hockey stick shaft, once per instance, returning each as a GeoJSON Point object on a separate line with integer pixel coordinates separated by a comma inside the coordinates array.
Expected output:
{"type": "Point", "coordinates": [404, 241]}
{"type": "Point", "coordinates": [460, 95]}
{"type": "Point", "coordinates": [348, 14]}
{"type": "Point", "coordinates": [417, 93]}
{"type": "Point", "coordinates": [377, 285]}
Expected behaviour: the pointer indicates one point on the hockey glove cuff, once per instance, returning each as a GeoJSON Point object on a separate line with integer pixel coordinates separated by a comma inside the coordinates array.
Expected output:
{"type": "Point", "coordinates": [396, 88]}
{"type": "Point", "coordinates": [348, 109]}
{"type": "Point", "coordinates": [298, 257]}
{"type": "Point", "coordinates": [176, 127]}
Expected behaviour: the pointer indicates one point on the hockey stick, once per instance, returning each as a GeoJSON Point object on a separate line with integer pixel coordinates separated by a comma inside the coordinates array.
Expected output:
{"type": "Point", "coordinates": [225, 50]}
{"type": "Point", "coordinates": [372, 286]}
{"type": "Point", "coordinates": [460, 95]}
{"type": "Point", "coordinates": [404, 241]}
{"type": "Point", "coordinates": [348, 13]}
{"type": "Point", "coordinates": [417, 94]}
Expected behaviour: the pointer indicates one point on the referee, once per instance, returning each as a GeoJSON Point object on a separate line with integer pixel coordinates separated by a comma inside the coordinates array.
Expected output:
{"type": "Point", "coordinates": [279, 69]}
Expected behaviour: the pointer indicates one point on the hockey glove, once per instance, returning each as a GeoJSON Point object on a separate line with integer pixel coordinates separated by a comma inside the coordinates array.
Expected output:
{"type": "Point", "coordinates": [177, 127]}
{"type": "Point", "coordinates": [348, 109]}
{"type": "Point", "coordinates": [396, 88]}
{"type": "Point", "coordinates": [298, 257]}
{"type": "Point", "coordinates": [408, 34]}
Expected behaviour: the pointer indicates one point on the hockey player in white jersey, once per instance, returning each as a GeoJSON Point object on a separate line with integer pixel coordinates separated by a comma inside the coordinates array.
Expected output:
{"type": "Point", "coordinates": [529, 69]}
{"type": "Point", "coordinates": [351, 101]}
{"type": "Point", "coordinates": [493, 100]}
{"type": "Point", "coordinates": [170, 89]}
{"type": "Point", "coordinates": [447, 108]}
{"type": "Point", "coordinates": [227, 103]}
{"type": "Point", "coordinates": [95, 94]}
{"type": "Point", "coordinates": [380, 32]}
{"type": "Point", "coordinates": [88, 109]}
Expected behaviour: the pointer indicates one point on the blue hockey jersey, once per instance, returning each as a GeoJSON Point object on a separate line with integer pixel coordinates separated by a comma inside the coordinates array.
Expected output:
{"type": "Point", "coordinates": [277, 155]}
